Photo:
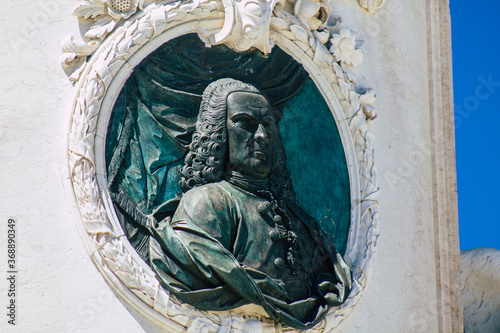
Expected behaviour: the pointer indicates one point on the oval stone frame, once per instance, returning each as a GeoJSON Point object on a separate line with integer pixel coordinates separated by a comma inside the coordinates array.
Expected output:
{"type": "Point", "coordinates": [101, 81]}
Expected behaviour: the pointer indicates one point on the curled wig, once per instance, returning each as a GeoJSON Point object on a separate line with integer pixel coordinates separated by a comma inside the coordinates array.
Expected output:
{"type": "Point", "coordinates": [206, 160]}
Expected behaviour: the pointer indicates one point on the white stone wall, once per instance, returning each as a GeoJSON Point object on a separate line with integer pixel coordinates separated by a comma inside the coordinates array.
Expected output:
{"type": "Point", "coordinates": [400, 296]}
{"type": "Point", "coordinates": [58, 287]}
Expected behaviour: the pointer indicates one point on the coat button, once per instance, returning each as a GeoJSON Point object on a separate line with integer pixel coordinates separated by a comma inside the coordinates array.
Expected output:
{"type": "Point", "coordinates": [264, 207]}
{"type": "Point", "coordinates": [278, 219]}
{"type": "Point", "coordinates": [279, 263]}
{"type": "Point", "coordinates": [274, 234]}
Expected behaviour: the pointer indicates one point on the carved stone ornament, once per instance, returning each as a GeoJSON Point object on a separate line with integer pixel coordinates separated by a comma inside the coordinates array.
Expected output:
{"type": "Point", "coordinates": [371, 5]}
{"type": "Point", "coordinates": [122, 34]}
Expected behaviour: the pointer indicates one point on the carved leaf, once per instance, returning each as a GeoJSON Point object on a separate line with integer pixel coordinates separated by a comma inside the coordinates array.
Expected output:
{"type": "Point", "coordinates": [368, 97]}
{"type": "Point", "coordinates": [66, 60]}
{"type": "Point", "coordinates": [101, 27]}
{"type": "Point", "coordinates": [369, 112]}
{"type": "Point", "coordinates": [278, 24]}
{"type": "Point", "coordinates": [357, 122]}
{"type": "Point", "coordinates": [322, 36]}
{"type": "Point", "coordinates": [70, 44]}
{"type": "Point", "coordinates": [89, 9]}
{"type": "Point", "coordinates": [300, 33]}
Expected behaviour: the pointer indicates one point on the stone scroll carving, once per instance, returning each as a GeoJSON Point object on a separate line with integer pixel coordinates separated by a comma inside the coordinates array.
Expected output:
{"type": "Point", "coordinates": [247, 24]}
{"type": "Point", "coordinates": [123, 33]}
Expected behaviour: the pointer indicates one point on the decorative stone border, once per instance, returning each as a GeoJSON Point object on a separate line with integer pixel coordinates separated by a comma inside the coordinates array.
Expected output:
{"type": "Point", "coordinates": [100, 81]}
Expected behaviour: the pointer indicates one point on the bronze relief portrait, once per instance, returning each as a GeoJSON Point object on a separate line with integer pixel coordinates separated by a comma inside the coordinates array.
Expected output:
{"type": "Point", "coordinates": [213, 186]}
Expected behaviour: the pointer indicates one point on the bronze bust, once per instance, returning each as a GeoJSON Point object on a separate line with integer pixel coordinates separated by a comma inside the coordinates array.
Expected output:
{"type": "Point", "coordinates": [237, 236]}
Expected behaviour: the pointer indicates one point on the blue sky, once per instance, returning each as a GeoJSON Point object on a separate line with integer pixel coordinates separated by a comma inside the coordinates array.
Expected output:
{"type": "Point", "coordinates": [476, 80]}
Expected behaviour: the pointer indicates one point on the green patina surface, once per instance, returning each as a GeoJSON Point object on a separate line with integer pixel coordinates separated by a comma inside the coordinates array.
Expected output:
{"type": "Point", "coordinates": [317, 162]}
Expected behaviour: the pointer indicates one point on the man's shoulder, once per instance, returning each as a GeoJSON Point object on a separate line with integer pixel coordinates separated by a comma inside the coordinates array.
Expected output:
{"type": "Point", "coordinates": [206, 188]}
{"type": "Point", "coordinates": [209, 200]}
{"type": "Point", "coordinates": [220, 186]}
{"type": "Point", "coordinates": [216, 191]}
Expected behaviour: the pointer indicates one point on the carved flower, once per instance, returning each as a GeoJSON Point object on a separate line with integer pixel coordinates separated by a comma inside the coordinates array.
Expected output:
{"type": "Point", "coordinates": [314, 13]}
{"type": "Point", "coordinates": [122, 9]}
{"type": "Point", "coordinates": [344, 48]}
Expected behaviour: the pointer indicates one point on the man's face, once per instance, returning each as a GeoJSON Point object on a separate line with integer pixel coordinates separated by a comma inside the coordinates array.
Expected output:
{"type": "Point", "coordinates": [250, 130]}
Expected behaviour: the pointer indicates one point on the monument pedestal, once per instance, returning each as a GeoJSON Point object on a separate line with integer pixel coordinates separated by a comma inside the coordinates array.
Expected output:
{"type": "Point", "coordinates": [75, 270]}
